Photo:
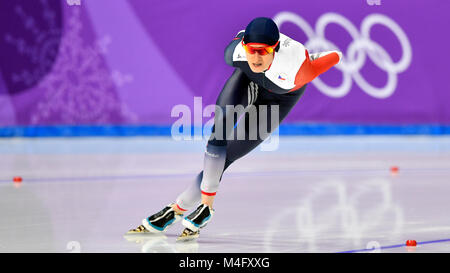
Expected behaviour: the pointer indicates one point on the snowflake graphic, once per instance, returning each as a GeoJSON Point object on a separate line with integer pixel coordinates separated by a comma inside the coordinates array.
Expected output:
{"type": "Point", "coordinates": [73, 2]}
{"type": "Point", "coordinates": [80, 89]}
{"type": "Point", "coordinates": [119, 78]}
{"type": "Point", "coordinates": [42, 52]}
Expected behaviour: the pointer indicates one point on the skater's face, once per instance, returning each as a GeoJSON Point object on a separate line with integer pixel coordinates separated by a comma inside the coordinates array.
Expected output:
{"type": "Point", "coordinates": [259, 63]}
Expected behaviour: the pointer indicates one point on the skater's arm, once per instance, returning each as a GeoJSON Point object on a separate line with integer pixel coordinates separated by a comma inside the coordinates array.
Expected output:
{"type": "Point", "coordinates": [323, 61]}
{"type": "Point", "coordinates": [229, 50]}
{"type": "Point", "coordinates": [314, 65]}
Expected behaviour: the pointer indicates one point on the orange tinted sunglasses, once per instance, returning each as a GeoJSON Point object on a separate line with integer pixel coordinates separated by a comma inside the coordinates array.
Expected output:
{"type": "Point", "coordinates": [261, 50]}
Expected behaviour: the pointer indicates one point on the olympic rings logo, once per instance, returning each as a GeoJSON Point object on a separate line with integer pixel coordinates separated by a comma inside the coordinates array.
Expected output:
{"type": "Point", "coordinates": [355, 56]}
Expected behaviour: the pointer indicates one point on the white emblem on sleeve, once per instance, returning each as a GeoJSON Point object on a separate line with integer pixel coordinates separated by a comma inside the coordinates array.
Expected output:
{"type": "Point", "coordinates": [239, 54]}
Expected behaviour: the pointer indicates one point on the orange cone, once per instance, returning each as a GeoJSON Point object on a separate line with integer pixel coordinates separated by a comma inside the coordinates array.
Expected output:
{"type": "Point", "coordinates": [17, 179]}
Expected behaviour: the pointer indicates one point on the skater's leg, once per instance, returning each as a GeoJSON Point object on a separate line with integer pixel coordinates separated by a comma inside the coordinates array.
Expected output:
{"type": "Point", "coordinates": [233, 93]}
{"type": "Point", "coordinates": [189, 197]}
{"type": "Point", "coordinates": [192, 196]}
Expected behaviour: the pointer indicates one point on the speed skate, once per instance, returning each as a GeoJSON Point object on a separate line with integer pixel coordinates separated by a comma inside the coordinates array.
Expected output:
{"type": "Point", "coordinates": [158, 222]}
{"type": "Point", "coordinates": [188, 235]}
{"type": "Point", "coordinates": [195, 221]}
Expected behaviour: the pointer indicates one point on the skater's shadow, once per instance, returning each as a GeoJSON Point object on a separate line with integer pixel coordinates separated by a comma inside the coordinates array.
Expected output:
{"type": "Point", "coordinates": [161, 243]}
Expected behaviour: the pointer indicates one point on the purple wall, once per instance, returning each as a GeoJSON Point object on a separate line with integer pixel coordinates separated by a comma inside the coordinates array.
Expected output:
{"type": "Point", "coordinates": [130, 62]}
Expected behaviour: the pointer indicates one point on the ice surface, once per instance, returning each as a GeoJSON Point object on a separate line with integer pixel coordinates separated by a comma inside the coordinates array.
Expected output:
{"type": "Point", "coordinates": [312, 194]}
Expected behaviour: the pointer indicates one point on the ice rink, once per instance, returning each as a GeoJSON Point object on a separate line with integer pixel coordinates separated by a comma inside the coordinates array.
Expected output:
{"type": "Point", "coordinates": [312, 194]}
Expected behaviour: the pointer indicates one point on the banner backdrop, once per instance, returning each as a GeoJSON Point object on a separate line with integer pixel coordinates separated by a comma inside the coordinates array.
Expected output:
{"type": "Point", "coordinates": [103, 62]}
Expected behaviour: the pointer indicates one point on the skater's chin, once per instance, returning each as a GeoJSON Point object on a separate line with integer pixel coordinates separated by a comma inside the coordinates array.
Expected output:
{"type": "Point", "coordinates": [257, 67]}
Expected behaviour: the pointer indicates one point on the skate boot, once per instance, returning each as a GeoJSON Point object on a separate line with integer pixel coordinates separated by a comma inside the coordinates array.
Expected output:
{"type": "Point", "coordinates": [158, 222]}
{"type": "Point", "coordinates": [195, 221]}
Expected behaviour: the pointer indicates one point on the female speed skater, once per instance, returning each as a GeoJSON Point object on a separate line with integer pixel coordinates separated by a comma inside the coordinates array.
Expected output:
{"type": "Point", "coordinates": [271, 70]}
